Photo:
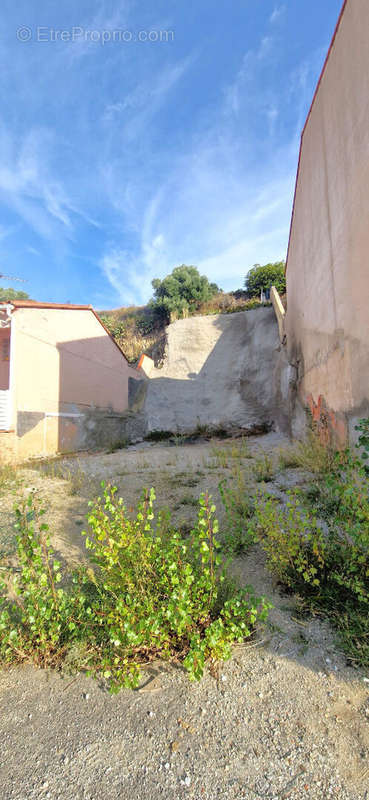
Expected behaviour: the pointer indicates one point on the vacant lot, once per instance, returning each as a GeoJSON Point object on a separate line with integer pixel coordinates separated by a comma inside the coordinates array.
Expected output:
{"type": "Point", "coordinates": [286, 718]}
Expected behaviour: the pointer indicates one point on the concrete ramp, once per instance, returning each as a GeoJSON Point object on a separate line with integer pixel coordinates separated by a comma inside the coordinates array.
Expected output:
{"type": "Point", "coordinates": [218, 371]}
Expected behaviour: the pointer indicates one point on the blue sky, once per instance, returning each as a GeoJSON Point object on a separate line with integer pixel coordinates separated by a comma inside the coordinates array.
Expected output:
{"type": "Point", "coordinates": [122, 159]}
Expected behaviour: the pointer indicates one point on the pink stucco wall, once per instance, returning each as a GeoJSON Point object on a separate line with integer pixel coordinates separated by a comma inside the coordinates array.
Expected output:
{"type": "Point", "coordinates": [327, 320]}
{"type": "Point", "coordinates": [66, 373]}
{"type": "Point", "coordinates": [4, 361]}
{"type": "Point", "coordinates": [63, 357]}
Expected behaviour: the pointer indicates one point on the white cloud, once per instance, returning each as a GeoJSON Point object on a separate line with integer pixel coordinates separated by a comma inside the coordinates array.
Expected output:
{"type": "Point", "coordinates": [213, 189]}
{"type": "Point", "coordinates": [136, 110]}
{"type": "Point", "coordinates": [217, 205]}
{"type": "Point", "coordinates": [28, 185]}
{"type": "Point", "coordinates": [6, 232]}
{"type": "Point", "coordinates": [83, 44]}
{"type": "Point", "coordinates": [278, 12]}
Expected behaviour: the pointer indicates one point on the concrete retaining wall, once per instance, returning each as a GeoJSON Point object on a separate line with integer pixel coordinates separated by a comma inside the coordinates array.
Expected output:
{"type": "Point", "coordinates": [220, 371]}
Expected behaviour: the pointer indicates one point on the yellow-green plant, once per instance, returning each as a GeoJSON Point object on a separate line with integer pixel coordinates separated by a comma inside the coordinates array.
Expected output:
{"type": "Point", "coordinates": [363, 442]}
{"type": "Point", "coordinates": [311, 454]}
{"type": "Point", "coordinates": [263, 468]}
{"type": "Point", "coordinates": [239, 509]}
{"type": "Point", "coordinates": [149, 592]}
{"type": "Point", "coordinates": [292, 540]}
{"type": "Point", "coordinates": [40, 624]}
{"type": "Point", "coordinates": [328, 566]}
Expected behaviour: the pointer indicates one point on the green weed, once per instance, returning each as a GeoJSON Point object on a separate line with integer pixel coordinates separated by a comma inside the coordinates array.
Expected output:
{"type": "Point", "coordinates": [220, 454]}
{"type": "Point", "coordinates": [149, 592]}
{"type": "Point", "coordinates": [9, 477]}
{"type": "Point", "coordinates": [363, 442]}
{"type": "Point", "coordinates": [328, 569]}
{"type": "Point", "coordinates": [239, 509]}
{"type": "Point", "coordinates": [120, 445]}
{"type": "Point", "coordinates": [311, 454]}
{"type": "Point", "coordinates": [263, 468]}
{"type": "Point", "coordinates": [188, 500]}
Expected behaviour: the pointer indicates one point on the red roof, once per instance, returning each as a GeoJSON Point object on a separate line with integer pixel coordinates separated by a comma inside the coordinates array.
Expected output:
{"type": "Point", "coordinates": [36, 304]}
{"type": "Point", "coordinates": [63, 306]}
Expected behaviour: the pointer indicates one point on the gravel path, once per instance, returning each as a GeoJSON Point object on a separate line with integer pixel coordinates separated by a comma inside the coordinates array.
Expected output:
{"type": "Point", "coordinates": [270, 728]}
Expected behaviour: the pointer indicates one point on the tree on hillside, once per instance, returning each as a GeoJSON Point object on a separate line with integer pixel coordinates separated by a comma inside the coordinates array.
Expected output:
{"type": "Point", "coordinates": [263, 277]}
{"type": "Point", "coordinates": [183, 290]}
{"type": "Point", "coordinates": [12, 294]}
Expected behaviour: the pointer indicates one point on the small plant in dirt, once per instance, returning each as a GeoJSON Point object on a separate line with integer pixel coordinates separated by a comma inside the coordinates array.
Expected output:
{"type": "Point", "coordinates": [288, 458]}
{"type": "Point", "coordinates": [9, 477]}
{"type": "Point", "coordinates": [77, 480]}
{"type": "Point", "coordinates": [241, 450]}
{"type": "Point", "coordinates": [220, 454]}
{"type": "Point", "coordinates": [316, 543]}
{"type": "Point", "coordinates": [119, 445]}
{"type": "Point", "coordinates": [328, 568]}
{"type": "Point", "coordinates": [363, 442]}
{"type": "Point", "coordinates": [188, 500]}
{"type": "Point", "coordinates": [40, 625]}
{"type": "Point", "coordinates": [292, 540]}
{"type": "Point", "coordinates": [341, 496]}
{"type": "Point", "coordinates": [312, 454]}
{"type": "Point", "coordinates": [263, 468]}
{"type": "Point", "coordinates": [149, 592]}
{"type": "Point", "coordinates": [239, 509]}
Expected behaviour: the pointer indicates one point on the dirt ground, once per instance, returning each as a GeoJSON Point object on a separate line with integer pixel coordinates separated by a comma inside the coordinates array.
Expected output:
{"type": "Point", "coordinates": [286, 719]}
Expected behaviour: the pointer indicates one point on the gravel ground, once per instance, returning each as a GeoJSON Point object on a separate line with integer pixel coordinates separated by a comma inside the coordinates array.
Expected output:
{"type": "Point", "coordinates": [286, 717]}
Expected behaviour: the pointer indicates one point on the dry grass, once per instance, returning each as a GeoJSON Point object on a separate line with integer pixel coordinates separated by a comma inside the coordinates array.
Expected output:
{"type": "Point", "coordinates": [138, 330]}
{"type": "Point", "coordinates": [238, 451]}
{"type": "Point", "coordinates": [9, 477]}
{"type": "Point", "coordinates": [311, 454]}
{"type": "Point", "coordinates": [263, 468]}
{"type": "Point", "coordinates": [79, 482]}
{"type": "Point", "coordinates": [226, 303]}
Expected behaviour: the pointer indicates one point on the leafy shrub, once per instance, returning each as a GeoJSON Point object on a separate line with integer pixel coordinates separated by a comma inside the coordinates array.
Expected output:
{"type": "Point", "coordinates": [137, 330]}
{"type": "Point", "coordinates": [263, 277]}
{"type": "Point", "coordinates": [341, 495]}
{"type": "Point", "coordinates": [363, 441]}
{"type": "Point", "coordinates": [12, 294]}
{"type": "Point", "coordinates": [342, 499]}
{"type": "Point", "coordinates": [150, 593]}
{"type": "Point", "coordinates": [317, 544]}
{"type": "Point", "coordinates": [41, 624]}
{"type": "Point", "coordinates": [292, 540]}
{"type": "Point", "coordinates": [181, 291]}
{"type": "Point", "coordinates": [227, 303]}
{"type": "Point", "coordinates": [329, 569]}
